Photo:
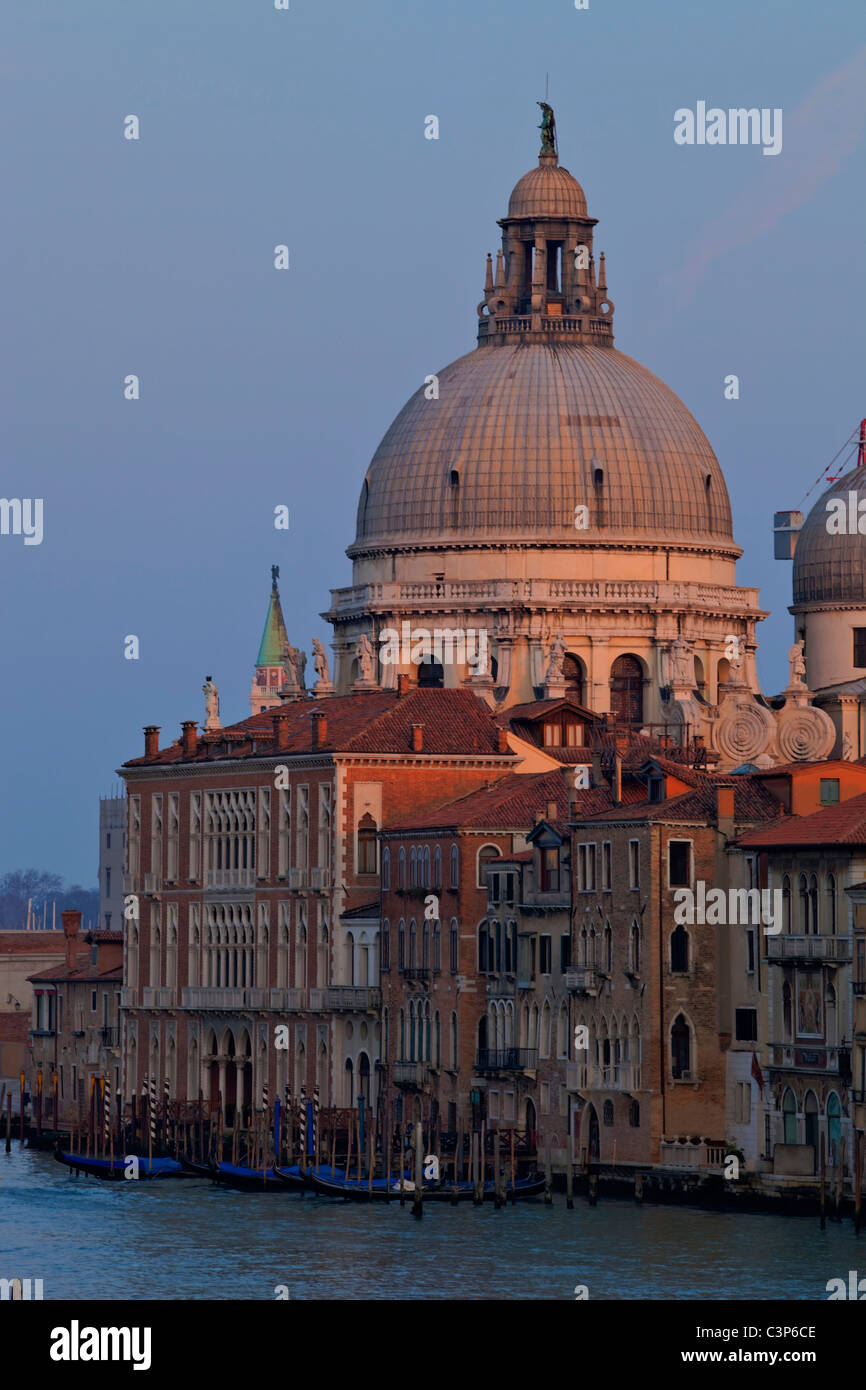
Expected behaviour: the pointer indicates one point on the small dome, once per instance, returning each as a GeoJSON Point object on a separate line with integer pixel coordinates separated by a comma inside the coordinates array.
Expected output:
{"type": "Point", "coordinates": [548, 191]}
{"type": "Point", "coordinates": [831, 568]}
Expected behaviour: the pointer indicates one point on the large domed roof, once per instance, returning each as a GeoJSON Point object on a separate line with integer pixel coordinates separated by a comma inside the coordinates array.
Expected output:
{"type": "Point", "coordinates": [831, 568]}
{"type": "Point", "coordinates": [523, 433]}
{"type": "Point", "coordinates": [547, 191]}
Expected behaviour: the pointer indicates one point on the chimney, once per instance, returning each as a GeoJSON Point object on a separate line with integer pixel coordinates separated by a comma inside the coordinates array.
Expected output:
{"type": "Point", "coordinates": [188, 738]}
{"type": "Point", "coordinates": [402, 685]}
{"type": "Point", "coordinates": [71, 920]}
{"type": "Point", "coordinates": [552, 810]}
{"type": "Point", "coordinates": [281, 729]}
{"type": "Point", "coordinates": [502, 740]}
{"type": "Point", "coordinates": [320, 728]}
{"type": "Point", "coordinates": [616, 784]}
{"type": "Point", "coordinates": [597, 779]}
{"type": "Point", "coordinates": [539, 817]}
{"type": "Point", "coordinates": [417, 738]}
{"type": "Point", "coordinates": [151, 740]}
{"type": "Point", "coordinates": [725, 807]}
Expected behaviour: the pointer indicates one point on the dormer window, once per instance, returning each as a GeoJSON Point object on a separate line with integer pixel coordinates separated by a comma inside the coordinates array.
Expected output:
{"type": "Point", "coordinates": [656, 787]}
{"type": "Point", "coordinates": [550, 870]}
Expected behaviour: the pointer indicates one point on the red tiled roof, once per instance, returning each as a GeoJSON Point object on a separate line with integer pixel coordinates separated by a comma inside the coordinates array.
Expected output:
{"type": "Point", "coordinates": [751, 803]}
{"type": "Point", "coordinates": [78, 974]}
{"type": "Point", "coordinates": [536, 709]}
{"type": "Point", "coordinates": [454, 721]}
{"type": "Point", "coordinates": [365, 910]}
{"type": "Point", "coordinates": [510, 802]}
{"type": "Point", "coordinates": [844, 824]}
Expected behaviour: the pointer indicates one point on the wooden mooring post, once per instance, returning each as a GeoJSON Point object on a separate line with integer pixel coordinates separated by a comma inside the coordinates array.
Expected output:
{"type": "Point", "coordinates": [8, 1121]}
{"type": "Point", "coordinates": [548, 1178]}
{"type": "Point", "coordinates": [569, 1176]}
{"type": "Point", "coordinates": [498, 1200]}
{"type": "Point", "coordinates": [418, 1198]}
{"type": "Point", "coordinates": [858, 1178]}
{"type": "Point", "coordinates": [823, 1186]}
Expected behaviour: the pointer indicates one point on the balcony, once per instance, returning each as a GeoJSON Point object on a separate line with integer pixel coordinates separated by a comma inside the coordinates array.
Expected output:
{"type": "Point", "coordinates": [506, 1059]}
{"type": "Point", "coordinates": [297, 879]}
{"type": "Point", "coordinates": [585, 1076]}
{"type": "Point", "coordinates": [583, 979]}
{"type": "Point", "coordinates": [675, 1154]}
{"type": "Point", "coordinates": [859, 988]}
{"type": "Point", "coordinates": [109, 1037]}
{"type": "Point", "coordinates": [501, 988]}
{"type": "Point", "coordinates": [320, 880]}
{"type": "Point", "coordinates": [410, 1074]}
{"type": "Point", "coordinates": [417, 974]}
{"type": "Point", "coordinates": [227, 878]}
{"type": "Point", "coordinates": [347, 998]}
{"type": "Point", "coordinates": [794, 948]}
{"type": "Point", "coordinates": [163, 998]}
{"type": "Point", "coordinates": [225, 999]}
{"type": "Point", "coordinates": [129, 997]}
{"type": "Point", "coordinates": [289, 1001]}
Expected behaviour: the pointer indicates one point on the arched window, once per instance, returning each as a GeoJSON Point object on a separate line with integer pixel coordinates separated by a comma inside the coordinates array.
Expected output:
{"type": "Point", "coordinates": [830, 888]}
{"type": "Point", "coordinates": [386, 869]}
{"type": "Point", "coordinates": [679, 951]}
{"type": "Point", "coordinates": [786, 904]}
{"type": "Point", "coordinates": [626, 690]}
{"type": "Point", "coordinates": [634, 949]}
{"type": "Point", "coordinates": [425, 945]}
{"type": "Point", "coordinates": [814, 923]}
{"type": "Point", "coordinates": [454, 1053]}
{"type": "Point", "coordinates": [803, 895]}
{"type": "Point", "coordinates": [437, 867]}
{"type": "Point", "coordinates": [413, 932]}
{"type": "Point", "coordinates": [402, 868]}
{"type": "Point", "coordinates": [453, 956]}
{"type": "Point", "coordinates": [386, 945]}
{"type": "Point", "coordinates": [484, 949]}
{"type": "Point", "coordinates": [562, 1032]}
{"type": "Point", "coordinates": [402, 1035]}
{"type": "Point", "coordinates": [545, 1030]}
{"type": "Point", "coordinates": [607, 1114]}
{"type": "Point", "coordinates": [367, 859]}
{"type": "Point", "coordinates": [486, 855]}
{"type": "Point", "coordinates": [573, 671]}
{"type": "Point", "coordinates": [608, 949]}
{"type": "Point", "coordinates": [634, 1114]}
{"type": "Point", "coordinates": [834, 1128]}
{"type": "Point", "coordinates": [437, 946]}
{"type": "Point", "coordinates": [810, 1115]}
{"type": "Point", "coordinates": [426, 880]}
{"type": "Point", "coordinates": [681, 1048]}
{"type": "Point", "coordinates": [413, 868]}
{"type": "Point", "coordinates": [455, 867]}
{"type": "Point", "coordinates": [437, 1041]}
{"type": "Point", "coordinates": [401, 945]}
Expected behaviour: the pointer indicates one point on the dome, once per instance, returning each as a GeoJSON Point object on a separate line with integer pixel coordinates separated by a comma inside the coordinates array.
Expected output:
{"type": "Point", "coordinates": [547, 191]}
{"type": "Point", "coordinates": [523, 433]}
{"type": "Point", "coordinates": [831, 568]}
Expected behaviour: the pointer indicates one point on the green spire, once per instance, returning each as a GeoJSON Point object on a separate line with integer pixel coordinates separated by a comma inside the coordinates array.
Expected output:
{"type": "Point", "coordinates": [274, 637]}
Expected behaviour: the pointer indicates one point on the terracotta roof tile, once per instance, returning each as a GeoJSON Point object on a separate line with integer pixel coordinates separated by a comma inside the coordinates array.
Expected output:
{"type": "Point", "coordinates": [844, 824]}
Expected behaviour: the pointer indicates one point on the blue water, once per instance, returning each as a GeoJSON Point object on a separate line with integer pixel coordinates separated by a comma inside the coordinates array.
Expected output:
{"type": "Point", "coordinates": [172, 1240]}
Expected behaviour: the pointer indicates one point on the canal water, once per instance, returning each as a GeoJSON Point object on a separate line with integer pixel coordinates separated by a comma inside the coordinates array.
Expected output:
{"type": "Point", "coordinates": [189, 1240]}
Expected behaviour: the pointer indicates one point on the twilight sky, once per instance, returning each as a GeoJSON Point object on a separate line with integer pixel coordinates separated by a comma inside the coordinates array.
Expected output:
{"type": "Point", "coordinates": [260, 388]}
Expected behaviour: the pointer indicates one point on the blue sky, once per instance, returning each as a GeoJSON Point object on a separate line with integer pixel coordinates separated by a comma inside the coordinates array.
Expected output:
{"type": "Point", "coordinates": [261, 388]}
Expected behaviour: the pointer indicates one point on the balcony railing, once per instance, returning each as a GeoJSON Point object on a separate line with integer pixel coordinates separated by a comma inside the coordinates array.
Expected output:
{"type": "Point", "coordinates": [206, 998]}
{"type": "Point", "coordinates": [345, 999]}
{"type": "Point", "coordinates": [230, 878]}
{"type": "Point", "coordinates": [583, 979]}
{"type": "Point", "coordinates": [109, 1037]}
{"type": "Point", "coordinates": [410, 1073]}
{"type": "Point", "coordinates": [290, 1001]}
{"type": "Point", "coordinates": [506, 1059]}
{"type": "Point", "coordinates": [416, 972]}
{"type": "Point", "coordinates": [859, 988]}
{"type": "Point", "coordinates": [585, 1076]}
{"type": "Point", "coordinates": [129, 997]}
{"type": "Point", "coordinates": [688, 1155]}
{"type": "Point", "coordinates": [162, 998]}
{"type": "Point", "coordinates": [836, 948]}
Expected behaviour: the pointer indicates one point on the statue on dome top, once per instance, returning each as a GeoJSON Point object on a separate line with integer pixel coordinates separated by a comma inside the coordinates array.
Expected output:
{"type": "Point", "coordinates": [547, 128]}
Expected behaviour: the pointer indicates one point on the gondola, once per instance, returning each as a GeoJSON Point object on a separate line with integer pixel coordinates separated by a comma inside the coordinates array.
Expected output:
{"type": "Point", "coordinates": [198, 1170]}
{"type": "Point", "coordinates": [293, 1178]}
{"type": "Point", "coordinates": [380, 1191]}
{"type": "Point", "coordinates": [248, 1179]}
{"type": "Point", "coordinates": [115, 1170]}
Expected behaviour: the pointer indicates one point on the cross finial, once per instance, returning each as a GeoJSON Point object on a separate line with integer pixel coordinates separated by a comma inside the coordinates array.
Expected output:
{"type": "Point", "coordinates": [275, 574]}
